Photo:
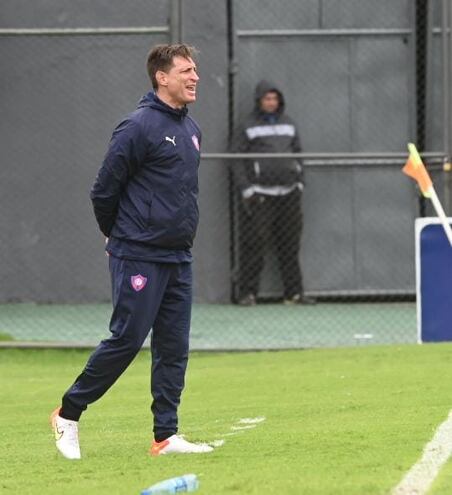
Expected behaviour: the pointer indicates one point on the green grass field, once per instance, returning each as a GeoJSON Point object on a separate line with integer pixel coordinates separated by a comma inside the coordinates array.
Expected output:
{"type": "Point", "coordinates": [338, 421]}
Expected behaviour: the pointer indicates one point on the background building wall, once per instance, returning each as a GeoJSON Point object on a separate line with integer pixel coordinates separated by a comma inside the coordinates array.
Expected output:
{"type": "Point", "coordinates": [61, 97]}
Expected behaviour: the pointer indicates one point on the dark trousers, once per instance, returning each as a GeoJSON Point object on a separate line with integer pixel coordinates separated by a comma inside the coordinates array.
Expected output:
{"type": "Point", "coordinates": [145, 295]}
{"type": "Point", "coordinates": [265, 221]}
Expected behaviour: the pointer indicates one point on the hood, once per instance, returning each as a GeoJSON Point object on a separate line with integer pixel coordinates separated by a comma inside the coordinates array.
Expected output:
{"type": "Point", "coordinates": [264, 87]}
{"type": "Point", "coordinates": [153, 101]}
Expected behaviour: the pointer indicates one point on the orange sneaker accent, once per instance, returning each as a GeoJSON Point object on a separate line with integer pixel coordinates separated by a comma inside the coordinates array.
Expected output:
{"type": "Point", "coordinates": [58, 434]}
{"type": "Point", "coordinates": [157, 447]}
{"type": "Point", "coordinates": [53, 416]}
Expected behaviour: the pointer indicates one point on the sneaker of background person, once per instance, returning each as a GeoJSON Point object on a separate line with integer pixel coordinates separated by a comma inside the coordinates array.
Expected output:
{"type": "Point", "coordinates": [177, 445]}
{"type": "Point", "coordinates": [66, 435]}
{"type": "Point", "coordinates": [299, 299]}
{"type": "Point", "coordinates": [248, 300]}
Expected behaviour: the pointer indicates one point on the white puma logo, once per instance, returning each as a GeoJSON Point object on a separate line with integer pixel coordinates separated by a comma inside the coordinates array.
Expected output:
{"type": "Point", "coordinates": [171, 140]}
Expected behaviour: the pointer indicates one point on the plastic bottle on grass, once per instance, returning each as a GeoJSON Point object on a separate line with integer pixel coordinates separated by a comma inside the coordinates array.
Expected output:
{"type": "Point", "coordinates": [185, 483]}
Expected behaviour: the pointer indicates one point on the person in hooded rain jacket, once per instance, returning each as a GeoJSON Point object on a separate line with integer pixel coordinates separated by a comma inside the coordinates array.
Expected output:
{"type": "Point", "coordinates": [270, 192]}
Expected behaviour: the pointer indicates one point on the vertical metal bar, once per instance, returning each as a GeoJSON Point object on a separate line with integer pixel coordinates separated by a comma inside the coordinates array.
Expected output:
{"type": "Point", "coordinates": [447, 173]}
{"type": "Point", "coordinates": [181, 21]}
{"type": "Point", "coordinates": [449, 75]}
{"type": "Point", "coordinates": [421, 70]}
{"type": "Point", "coordinates": [445, 74]}
{"type": "Point", "coordinates": [351, 59]}
{"type": "Point", "coordinates": [176, 21]}
{"type": "Point", "coordinates": [234, 70]}
{"type": "Point", "coordinates": [445, 51]}
{"type": "Point", "coordinates": [232, 116]}
{"type": "Point", "coordinates": [429, 74]}
{"type": "Point", "coordinates": [412, 44]}
{"type": "Point", "coordinates": [444, 95]}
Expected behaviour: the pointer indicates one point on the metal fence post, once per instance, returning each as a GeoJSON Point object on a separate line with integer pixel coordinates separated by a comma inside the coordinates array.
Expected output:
{"type": "Point", "coordinates": [447, 118]}
{"type": "Point", "coordinates": [176, 21]}
{"type": "Point", "coordinates": [448, 109]}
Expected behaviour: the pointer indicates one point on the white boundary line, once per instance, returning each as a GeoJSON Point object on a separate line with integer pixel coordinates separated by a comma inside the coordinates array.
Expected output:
{"type": "Point", "coordinates": [245, 427]}
{"type": "Point", "coordinates": [246, 424]}
{"type": "Point", "coordinates": [252, 421]}
{"type": "Point", "coordinates": [419, 478]}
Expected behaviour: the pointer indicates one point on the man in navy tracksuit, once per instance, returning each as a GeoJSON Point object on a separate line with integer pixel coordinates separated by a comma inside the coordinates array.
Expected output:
{"type": "Point", "coordinates": [145, 202]}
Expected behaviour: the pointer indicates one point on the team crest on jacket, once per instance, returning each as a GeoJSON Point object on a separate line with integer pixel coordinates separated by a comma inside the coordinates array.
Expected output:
{"type": "Point", "coordinates": [194, 138]}
{"type": "Point", "coordinates": [138, 282]}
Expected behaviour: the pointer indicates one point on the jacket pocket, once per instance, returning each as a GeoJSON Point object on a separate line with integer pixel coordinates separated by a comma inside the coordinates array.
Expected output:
{"type": "Point", "coordinates": [163, 211]}
{"type": "Point", "coordinates": [142, 211]}
{"type": "Point", "coordinates": [149, 210]}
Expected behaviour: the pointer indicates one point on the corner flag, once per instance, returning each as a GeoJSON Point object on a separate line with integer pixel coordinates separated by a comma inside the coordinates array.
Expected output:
{"type": "Point", "coordinates": [416, 169]}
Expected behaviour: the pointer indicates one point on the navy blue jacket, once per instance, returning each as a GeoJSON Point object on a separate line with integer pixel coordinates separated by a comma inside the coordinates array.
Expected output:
{"type": "Point", "coordinates": [145, 194]}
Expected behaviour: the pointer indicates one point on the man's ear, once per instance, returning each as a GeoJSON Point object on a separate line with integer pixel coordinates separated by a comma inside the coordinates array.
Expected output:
{"type": "Point", "coordinates": [162, 78]}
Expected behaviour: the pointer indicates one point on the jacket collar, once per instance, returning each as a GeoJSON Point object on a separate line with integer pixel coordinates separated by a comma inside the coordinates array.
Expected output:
{"type": "Point", "coordinates": [153, 101]}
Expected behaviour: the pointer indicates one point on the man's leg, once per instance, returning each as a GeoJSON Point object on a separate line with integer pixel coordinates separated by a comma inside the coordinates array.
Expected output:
{"type": "Point", "coordinates": [169, 346]}
{"type": "Point", "coordinates": [287, 235]}
{"type": "Point", "coordinates": [133, 315]}
{"type": "Point", "coordinates": [137, 292]}
{"type": "Point", "coordinates": [253, 242]}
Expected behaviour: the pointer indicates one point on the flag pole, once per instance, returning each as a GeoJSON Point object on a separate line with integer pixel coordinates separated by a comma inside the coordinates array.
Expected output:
{"type": "Point", "coordinates": [440, 212]}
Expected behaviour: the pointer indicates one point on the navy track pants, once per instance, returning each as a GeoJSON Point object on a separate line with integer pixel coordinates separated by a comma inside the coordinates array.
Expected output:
{"type": "Point", "coordinates": [145, 295]}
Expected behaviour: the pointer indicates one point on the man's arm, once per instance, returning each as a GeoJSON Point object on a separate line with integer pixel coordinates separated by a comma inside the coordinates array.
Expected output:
{"type": "Point", "coordinates": [125, 154]}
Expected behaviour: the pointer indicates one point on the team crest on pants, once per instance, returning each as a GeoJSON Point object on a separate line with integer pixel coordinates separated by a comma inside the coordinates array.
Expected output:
{"type": "Point", "coordinates": [138, 282]}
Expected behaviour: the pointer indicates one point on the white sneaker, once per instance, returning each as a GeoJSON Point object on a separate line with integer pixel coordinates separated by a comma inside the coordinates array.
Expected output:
{"type": "Point", "coordinates": [66, 435]}
{"type": "Point", "coordinates": [177, 445]}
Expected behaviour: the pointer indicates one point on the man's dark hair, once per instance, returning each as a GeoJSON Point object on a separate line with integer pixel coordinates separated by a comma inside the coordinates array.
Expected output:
{"type": "Point", "coordinates": [161, 58]}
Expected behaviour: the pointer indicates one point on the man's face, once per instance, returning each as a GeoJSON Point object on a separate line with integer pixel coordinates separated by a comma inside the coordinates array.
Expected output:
{"type": "Point", "coordinates": [270, 102]}
{"type": "Point", "coordinates": [177, 87]}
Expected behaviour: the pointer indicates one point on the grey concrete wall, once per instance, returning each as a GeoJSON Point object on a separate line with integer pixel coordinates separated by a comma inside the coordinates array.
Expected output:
{"type": "Point", "coordinates": [60, 98]}
{"type": "Point", "coordinates": [347, 93]}
{"type": "Point", "coordinates": [205, 26]}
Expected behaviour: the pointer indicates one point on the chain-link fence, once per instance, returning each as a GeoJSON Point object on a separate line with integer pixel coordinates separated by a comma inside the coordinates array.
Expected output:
{"type": "Point", "coordinates": [307, 224]}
